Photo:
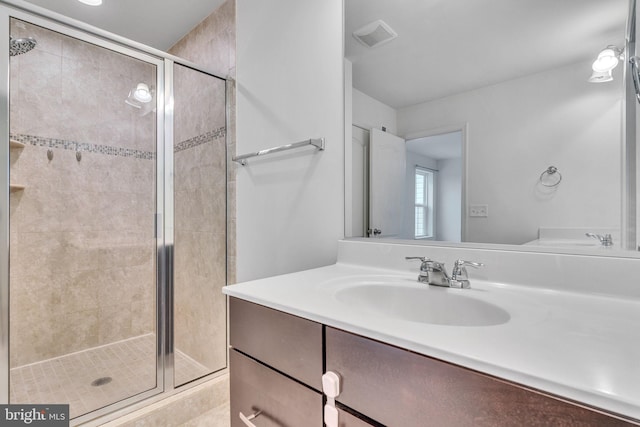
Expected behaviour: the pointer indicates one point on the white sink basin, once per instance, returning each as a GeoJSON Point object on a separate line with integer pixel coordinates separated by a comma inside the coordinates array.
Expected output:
{"type": "Point", "coordinates": [423, 304]}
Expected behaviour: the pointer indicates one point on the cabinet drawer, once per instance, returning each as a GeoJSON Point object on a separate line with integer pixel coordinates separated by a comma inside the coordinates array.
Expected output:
{"type": "Point", "coordinates": [282, 402]}
{"type": "Point", "coordinates": [287, 343]}
{"type": "Point", "coordinates": [398, 388]}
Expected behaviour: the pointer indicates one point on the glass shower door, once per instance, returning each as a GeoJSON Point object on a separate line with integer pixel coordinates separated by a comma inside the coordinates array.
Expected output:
{"type": "Point", "coordinates": [83, 260]}
{"type": "Point", "coordinates": [200, 333]}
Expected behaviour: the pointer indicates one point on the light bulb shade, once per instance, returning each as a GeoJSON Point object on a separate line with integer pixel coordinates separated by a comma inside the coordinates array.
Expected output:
{"type": "Point", "coordinates": [607, 60]}
{"type": "Point", "coordinates": [141, 97]}
{"type": "Point", "coordinates": [91, 2]}
{"type": "Point", "coordinates": [600, 77]}
{"type": "Point", "coordinates": [142, 93]}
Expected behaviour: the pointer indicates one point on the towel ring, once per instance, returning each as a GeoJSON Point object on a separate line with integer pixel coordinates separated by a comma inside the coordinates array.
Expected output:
{"type": "Point", "coordinates": [551, 170]}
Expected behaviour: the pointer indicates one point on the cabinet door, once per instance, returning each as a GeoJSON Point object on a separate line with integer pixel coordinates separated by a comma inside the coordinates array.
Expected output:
{"type": "Point", "coordinates": [287, 343]}
{"type": "Point", "coordinates": [278, 400]}
{"type": "Point", "coordinates": [396, 387]}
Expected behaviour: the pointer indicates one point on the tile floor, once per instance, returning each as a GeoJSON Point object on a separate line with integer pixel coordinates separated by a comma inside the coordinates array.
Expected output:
{"type": "Point", "coordinates": [130, 364]}
{"type": "Point", "coordinates": [204, 405]}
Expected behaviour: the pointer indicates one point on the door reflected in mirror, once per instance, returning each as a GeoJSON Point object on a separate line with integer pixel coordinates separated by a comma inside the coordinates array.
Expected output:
{"type": "Point", "coordinates": [423, 200]}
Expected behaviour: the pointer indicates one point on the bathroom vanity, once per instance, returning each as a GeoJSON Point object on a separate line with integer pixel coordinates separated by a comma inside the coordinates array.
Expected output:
{"type": "Point", "coordinates": [559, 357]}
{"type": "Point", "coordinates": [276, 364]}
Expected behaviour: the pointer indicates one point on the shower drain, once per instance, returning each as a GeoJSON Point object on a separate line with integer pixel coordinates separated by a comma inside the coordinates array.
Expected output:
{"type": "Point", "coordinates": [101, 381]}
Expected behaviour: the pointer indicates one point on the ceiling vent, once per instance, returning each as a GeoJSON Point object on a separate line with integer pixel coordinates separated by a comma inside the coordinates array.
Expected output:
{"type": "Point", "coordinates": [375, 34]}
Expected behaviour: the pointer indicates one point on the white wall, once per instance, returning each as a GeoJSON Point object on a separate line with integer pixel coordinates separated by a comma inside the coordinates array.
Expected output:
{"type": "Point", "coordinates": [371, 113]}
{"type": "Point", "coordinates": [517, 129]}
{"type": "Point", "coordinates": [348, 152]}
{"type": "Point", "coordinates": [449, 200]}
{"type": "Point", "coordinates": [290, 205]}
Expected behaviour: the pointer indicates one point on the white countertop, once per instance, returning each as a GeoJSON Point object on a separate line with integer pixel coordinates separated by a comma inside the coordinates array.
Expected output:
{"type": "Point", "coordinates": [583, 347]}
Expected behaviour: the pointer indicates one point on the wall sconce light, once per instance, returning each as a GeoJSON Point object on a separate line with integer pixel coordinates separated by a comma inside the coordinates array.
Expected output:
{"type": "Point", "coordinates": [91, 2]}
{"type": "Point", "coordinates": [140, 97]}
{"type": "Point", "coordinates": [142, 93]}
{"type": "Point", "coordinates": [605, 63]}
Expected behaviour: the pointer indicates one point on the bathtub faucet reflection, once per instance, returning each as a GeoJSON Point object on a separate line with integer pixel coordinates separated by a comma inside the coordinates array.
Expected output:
{"type": "Point", "coordinates": [605, 240]}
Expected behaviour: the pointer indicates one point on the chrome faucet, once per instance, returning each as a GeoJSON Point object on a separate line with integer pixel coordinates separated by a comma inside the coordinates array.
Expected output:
{"type": "Point", "coordinates": [605, 240]}
{"type": "Point", "coordinates": [459, 277]}
{"type": "Point", "coordinates": [435, 273]}
{"type": "Point", "coordinates": [438, 275]}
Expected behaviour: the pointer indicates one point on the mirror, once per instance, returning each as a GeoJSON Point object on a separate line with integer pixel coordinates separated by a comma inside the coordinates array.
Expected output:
{"type": "Point", "coordinates": [540, 148]}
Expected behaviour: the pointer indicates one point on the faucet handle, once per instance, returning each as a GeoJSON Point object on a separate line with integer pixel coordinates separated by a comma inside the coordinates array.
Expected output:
{"type": "Point", "coordinates": [426, 262]}
{"type": "Point", "coordinates": [605, 240]}
{"type": "Point", "coordinates": [462, 263]}
{"type": "Point", "coordinates": [421, 258]}
{"type": "Point", "coordinates": [423, 277]}
{"type": "Point", "coordinates": [459, 276]}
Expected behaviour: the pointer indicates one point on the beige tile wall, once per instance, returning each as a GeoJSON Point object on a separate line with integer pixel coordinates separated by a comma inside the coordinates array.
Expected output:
{"type": "Point", "coordinates": [199, 254]}
{"type": "Point", "coordinates": [212, 43]}
{"type": "Point", "coordinates": [82, 264]}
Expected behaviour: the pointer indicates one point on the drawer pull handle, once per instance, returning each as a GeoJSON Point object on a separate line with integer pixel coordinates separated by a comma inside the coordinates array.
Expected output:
{"type": "Point", "coordinates": [247, 420]}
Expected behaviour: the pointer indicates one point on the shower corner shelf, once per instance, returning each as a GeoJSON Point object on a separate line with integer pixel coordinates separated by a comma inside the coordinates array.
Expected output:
{"type": "Point", "coordinates": [16, 144]}
{"type": "Point", "coordinates": [16, 187]}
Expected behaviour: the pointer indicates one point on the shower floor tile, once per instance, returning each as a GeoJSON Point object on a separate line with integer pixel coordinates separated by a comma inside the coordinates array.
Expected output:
{"type": "Point", "coordinates": [121, 370]}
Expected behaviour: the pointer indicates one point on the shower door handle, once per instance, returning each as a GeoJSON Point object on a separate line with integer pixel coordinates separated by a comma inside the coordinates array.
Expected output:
{"type": "Point", "coordinates": [634, 74]}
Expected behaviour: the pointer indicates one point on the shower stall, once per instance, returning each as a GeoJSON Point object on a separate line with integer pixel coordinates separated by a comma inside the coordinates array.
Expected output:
{"type": "Point", "coordinates": [114, 247]}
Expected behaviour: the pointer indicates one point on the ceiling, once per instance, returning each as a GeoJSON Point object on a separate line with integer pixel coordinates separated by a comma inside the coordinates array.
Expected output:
{"type": "Point", "coordinates": [444, 46]}
{"type": "Point", "coordinates": [156, 23]}
{"type": "Point", "coordinates": [451, 46]}
{"type": "Point", "coordinates": [439, 147]}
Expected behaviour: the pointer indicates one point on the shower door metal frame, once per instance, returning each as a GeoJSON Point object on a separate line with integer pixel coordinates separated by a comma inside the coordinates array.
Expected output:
{"type": "Point", "coordinates": [4, 209]}
{"type": "Point", "coordinates": [169, 354]}
{"type": "Point", "coordinates": [169, 372]}
{"type": "Point", "coordinates": [164, 62]}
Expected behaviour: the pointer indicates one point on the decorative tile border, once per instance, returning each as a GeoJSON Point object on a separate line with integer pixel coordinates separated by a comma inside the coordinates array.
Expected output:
{"type": "Point", "coordinates": [200, 139]}
{"type": "Point", "coordinates": [86, 147]}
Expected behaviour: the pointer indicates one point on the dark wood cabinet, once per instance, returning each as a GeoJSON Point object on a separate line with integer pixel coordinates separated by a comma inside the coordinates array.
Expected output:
{"type": "Point", "coordinates": [277, 361]}
{"type": "Point", "coordinates": [276, 367]}
{"type": "Point", "coordinates": [287, 343]}
{"type": "Point", "coordinates": [396, 387]}
{"type": "Point", "coordinates": [277, 400]}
